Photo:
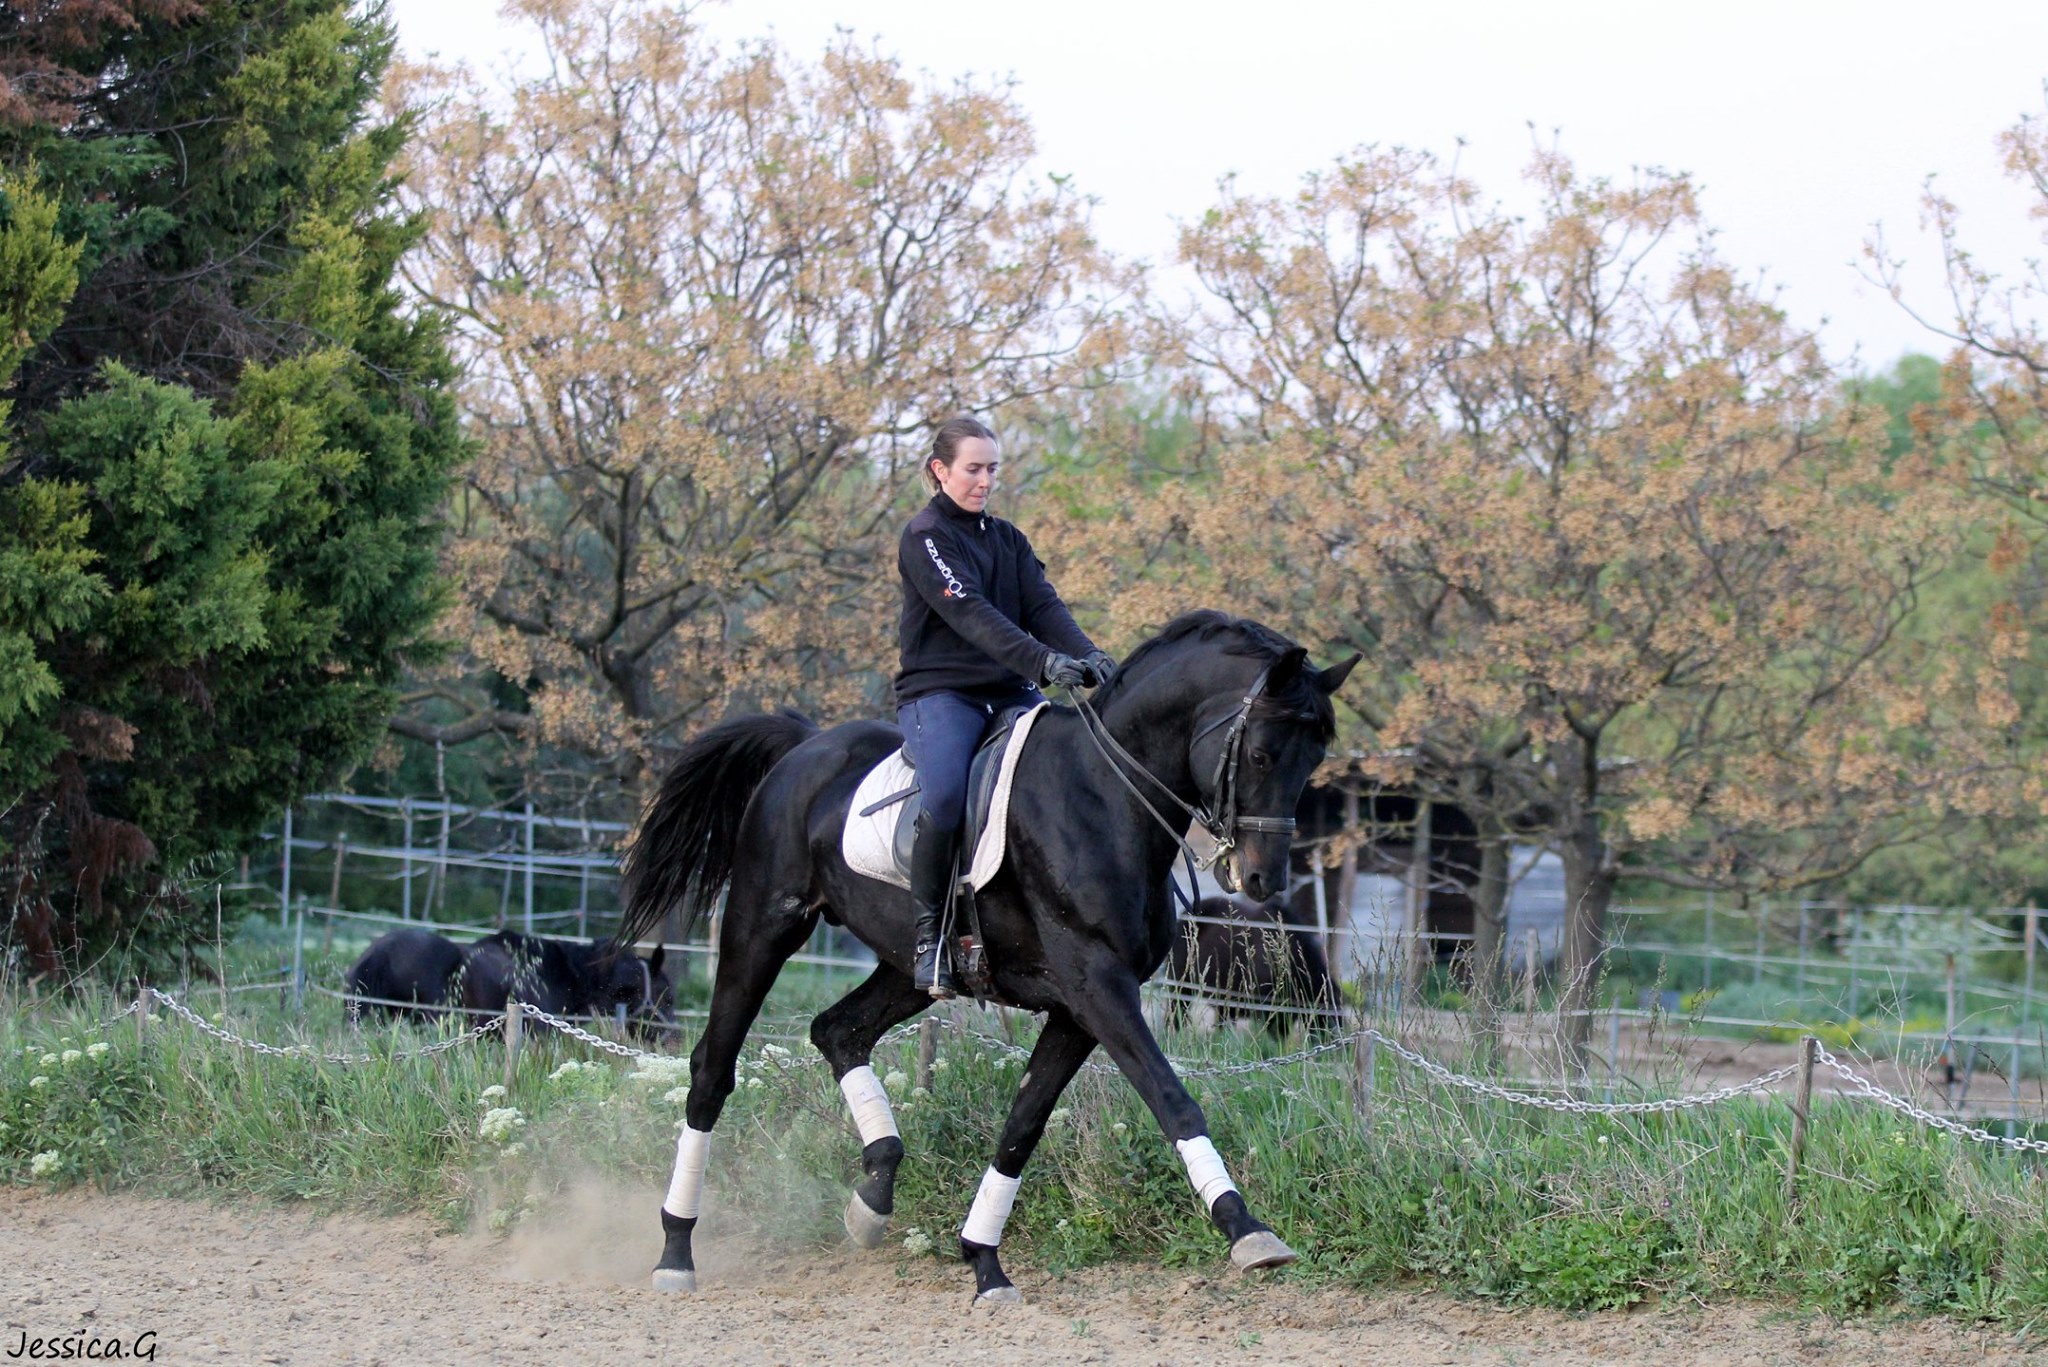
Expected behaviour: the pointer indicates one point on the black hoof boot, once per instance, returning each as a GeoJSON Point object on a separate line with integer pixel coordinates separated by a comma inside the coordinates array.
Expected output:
{"type": "Point", "coordinates": [676, 1271]}
{"type": "Point", "coordinates": [991, 1286]}
{"type": "Point", "coordinates": [874, 1198]}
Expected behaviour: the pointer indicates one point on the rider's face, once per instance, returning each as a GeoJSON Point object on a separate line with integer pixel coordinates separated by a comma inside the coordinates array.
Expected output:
{"type": "Point", "coordinates": [971, 478]}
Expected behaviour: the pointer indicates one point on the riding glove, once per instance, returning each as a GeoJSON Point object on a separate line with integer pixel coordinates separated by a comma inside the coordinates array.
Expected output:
{"type": "Point", "coordinates": [1099, 667]}
{"type": "Point", "coordinates": [1064, 671]}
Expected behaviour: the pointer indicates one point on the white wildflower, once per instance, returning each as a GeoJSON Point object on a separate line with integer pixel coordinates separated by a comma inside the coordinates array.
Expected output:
{"type": "Point", "coordinates": [894, 1080]}
{"type": "Point", "coordinates": [1060, 1116]}
{"type": "Point", "coordinates": [1120, 1128]}
{"type": "Point", "coordinates": [494, 1092]}
{"type": "Point", "coordinates": [753, 1084]}
{"type": "Point", "coordinates": [39, 1081]}
{"type": "Point", "coordinates": [99, 1050]}
{"type": "Point", "coordinates": [774, 1051]}
{"type": "Point", "coordinates": [676, 1096]}
{"type": "Point", "coordinates": [73, 1055]}
{"type": "Point", "coordinates": [940, 1065]}
{"type": "Point", "coordinates": [660, 1070]}
{"type": "Point", "coordinates": [569, 1069]}
{"type": "Point", "coordinates": [47, 1061]}
{"type": "Point", "coordinates": [500, 1123]}
{"type": "Point", "coordinates": [919, 1093]}
{"type": "Point", "coordinates": [44, 1164]}
{"type": "Point", "coordinates": [916, 1243]}
{"type": "Point", "coordinates": [514, 1150]}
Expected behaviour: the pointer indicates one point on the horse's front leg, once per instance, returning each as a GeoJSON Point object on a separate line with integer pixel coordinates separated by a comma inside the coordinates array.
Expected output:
{"type": "Point", "coordinates": [1109, 1010]}
{"type": "Point", "coordinates": [1058, 1055]}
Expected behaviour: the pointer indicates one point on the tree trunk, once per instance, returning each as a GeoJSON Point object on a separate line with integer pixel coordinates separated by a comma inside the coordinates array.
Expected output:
{"type": "Point", "coordinates": [1342, 929]}
{"type": "Point", "coordinates": [1489, 938]}
{"type": "Point", "coordinates": [1419, 943]}
{"type": "Point", "coordinates": [1588, 888]}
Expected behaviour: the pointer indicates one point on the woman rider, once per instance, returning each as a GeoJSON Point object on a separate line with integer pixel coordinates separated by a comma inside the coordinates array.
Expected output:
{"type": "Point", "coordinates": [981, 630]}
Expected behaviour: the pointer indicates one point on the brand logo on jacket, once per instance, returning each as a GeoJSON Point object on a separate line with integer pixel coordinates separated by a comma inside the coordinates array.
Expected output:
{"type": "Point", "coordinates": [954, 588]}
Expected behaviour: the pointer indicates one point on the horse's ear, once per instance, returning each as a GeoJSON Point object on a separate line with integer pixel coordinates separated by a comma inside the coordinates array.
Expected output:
{"type": "Point", "coordinates": [1333, 678]}
{"type": "Point", "coordinates": [1286, 669]}
{"type": "Point", "coordinates": [654, 959]}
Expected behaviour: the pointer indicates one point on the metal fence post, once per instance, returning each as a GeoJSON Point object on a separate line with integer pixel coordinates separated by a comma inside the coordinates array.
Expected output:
{"type": "Point", "coordinates": [529, 870]}
{"type": "Point", "coordinates": [284, 895]}
{"type": "Point", "coordinates": [145, 1001]}
{"type": "Point", "coordinates": [299, 962]}
{"type": "Point", "coordinates": [405, 879]}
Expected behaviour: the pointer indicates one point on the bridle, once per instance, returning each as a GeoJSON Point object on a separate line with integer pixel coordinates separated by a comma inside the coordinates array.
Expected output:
{"type": "Point", "coordinates": [1219, 817]}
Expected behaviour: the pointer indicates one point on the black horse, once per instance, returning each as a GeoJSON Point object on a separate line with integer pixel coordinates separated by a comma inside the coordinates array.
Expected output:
{"type": "Point", "coordinates": [1247, 960]}
{"type": "Point", "coordinates": [565, 978]}
{"type": "Point", "coordinates": [1224, 714]}
{"type": "Point", "coordinates": [406, 965]}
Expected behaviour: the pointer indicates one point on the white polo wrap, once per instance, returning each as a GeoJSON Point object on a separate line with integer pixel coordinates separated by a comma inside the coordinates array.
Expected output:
{"type": "Point", "coordinates": [686, 1187]}
{"type": "Point", "coordinates": [991, 1209]}
{"type": "Point", "coordinates": [1206, 1172]}
{"type": "Point", "coordinates": [869, 1102]}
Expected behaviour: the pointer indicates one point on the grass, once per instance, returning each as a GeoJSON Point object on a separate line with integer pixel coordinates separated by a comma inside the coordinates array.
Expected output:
{"type": "Point", "coordinates": [1525, 1207]}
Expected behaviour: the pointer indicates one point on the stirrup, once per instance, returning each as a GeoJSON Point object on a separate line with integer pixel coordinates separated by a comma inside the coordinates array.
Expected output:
{"type": "Point", "coordinates": [940, 985]}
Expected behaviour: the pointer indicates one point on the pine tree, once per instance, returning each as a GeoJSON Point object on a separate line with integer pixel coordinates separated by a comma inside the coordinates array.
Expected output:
{"type": "Point", "coordinates": [237, 440]}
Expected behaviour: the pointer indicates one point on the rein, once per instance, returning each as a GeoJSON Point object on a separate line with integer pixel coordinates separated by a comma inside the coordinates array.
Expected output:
{"type": "Point", "coordinates": [1222, 824]}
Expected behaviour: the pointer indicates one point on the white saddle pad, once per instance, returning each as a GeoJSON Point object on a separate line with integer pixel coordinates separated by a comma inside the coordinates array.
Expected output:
{"type": "Point", "coordinates": [869, 842]}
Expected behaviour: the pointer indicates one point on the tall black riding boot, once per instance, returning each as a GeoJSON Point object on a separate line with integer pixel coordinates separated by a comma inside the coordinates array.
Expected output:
{"type": "Point", "coordinates": [931, 880]}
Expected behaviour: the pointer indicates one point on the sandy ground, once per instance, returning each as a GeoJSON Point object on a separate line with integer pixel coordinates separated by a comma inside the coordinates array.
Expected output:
{"type": "Point", "coordinates": [261, 1285]}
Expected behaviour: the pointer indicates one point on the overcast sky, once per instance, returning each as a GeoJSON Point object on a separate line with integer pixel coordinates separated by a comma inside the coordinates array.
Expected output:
{"type": "Point", "coordinates": [1805, 121]}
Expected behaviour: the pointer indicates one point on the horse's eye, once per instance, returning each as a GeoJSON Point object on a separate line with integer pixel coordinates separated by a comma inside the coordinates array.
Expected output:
{"type": "Point", "coordinates": [1261, 760]}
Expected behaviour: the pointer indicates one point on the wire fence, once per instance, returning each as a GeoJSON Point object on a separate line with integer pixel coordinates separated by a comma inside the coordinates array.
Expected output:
{"type": "Point", "coordinates": [358, 865]}
{"type": "Point", "coordinates": [1852, 1085]}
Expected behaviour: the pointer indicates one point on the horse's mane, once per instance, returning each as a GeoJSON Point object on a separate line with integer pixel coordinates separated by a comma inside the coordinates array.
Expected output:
{"type": "Point", "coordinates": [1299, 699]}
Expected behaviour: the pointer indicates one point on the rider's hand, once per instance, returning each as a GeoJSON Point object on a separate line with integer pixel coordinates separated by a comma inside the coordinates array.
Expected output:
{"type": "Point", "coordinates": [1064, 671]}
{"type": "Point", "coordinates": [1098, 665]}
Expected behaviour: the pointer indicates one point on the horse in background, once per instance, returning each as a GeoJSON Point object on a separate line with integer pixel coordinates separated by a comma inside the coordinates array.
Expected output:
{"type": "Point", "coordinates": [412, 972]}
{"type": "Point", "coordinates": [1247, 960]}
{"type": "Point", "coordinates": [568, 978]}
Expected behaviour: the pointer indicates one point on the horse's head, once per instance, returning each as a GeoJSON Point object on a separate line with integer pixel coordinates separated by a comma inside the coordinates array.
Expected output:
{"type": "Point", "coordinates": [1253, 751]}
{"type": "Point", "coordinates": [639, 985]}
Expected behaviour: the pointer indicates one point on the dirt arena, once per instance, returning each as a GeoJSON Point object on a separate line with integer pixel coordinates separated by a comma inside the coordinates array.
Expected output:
{"type": "Point", "coordinates": [199, 1283]}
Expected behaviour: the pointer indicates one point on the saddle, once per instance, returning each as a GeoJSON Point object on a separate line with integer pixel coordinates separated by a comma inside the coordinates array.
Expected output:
{"type": "Point", "coordinates": [881, 824]}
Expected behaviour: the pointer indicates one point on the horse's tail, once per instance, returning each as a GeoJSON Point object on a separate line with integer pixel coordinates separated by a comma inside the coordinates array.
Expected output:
{"type": "Point", "coordinates": [684, 850]}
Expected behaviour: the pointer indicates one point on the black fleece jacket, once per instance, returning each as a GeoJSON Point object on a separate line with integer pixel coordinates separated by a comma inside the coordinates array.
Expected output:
{"type": "Point", "coordinates": [978, 614]}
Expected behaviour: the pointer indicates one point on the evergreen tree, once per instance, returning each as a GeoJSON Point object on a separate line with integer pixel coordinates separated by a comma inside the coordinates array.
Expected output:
{"type": "Point", "coordinates": [227, 451]}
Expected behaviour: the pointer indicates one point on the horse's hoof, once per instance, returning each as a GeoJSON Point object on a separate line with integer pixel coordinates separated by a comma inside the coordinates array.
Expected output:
{"type": "Point", "coordinates": [863, 1226]}
{"type": "Point", "coordinates": [674, 1279]}
{"type": "Point", "coordinates": [1000, 1295]}
{"type": "Point", "coordinates": [1261, 1248]}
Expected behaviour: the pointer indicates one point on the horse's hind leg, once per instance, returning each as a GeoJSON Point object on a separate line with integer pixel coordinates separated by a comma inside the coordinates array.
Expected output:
{"type": "Point", "coordinates": [845, 1034]}
{"type": "Point", "coordinates": [759, 934]}
{"type": "Point", "coordinates": [1062, 1047]}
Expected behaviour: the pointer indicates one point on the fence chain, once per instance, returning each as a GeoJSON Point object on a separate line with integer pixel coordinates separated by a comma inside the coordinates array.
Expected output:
{"type": "Point", "coordinates": [1570, 1104]}
{"type": "Point", "coordinates": [1865, 1087]}
{"type": "Point", "coordinates": [1860, 1084]}
{"type": "Point", "coordinates": [304, 1051]}
{"type": "Point", "coordinates": [610, 1046]}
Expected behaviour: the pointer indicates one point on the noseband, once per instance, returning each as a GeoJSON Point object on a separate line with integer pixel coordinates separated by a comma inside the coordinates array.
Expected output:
{"type": "Point", "coordinates": [1219, 816]}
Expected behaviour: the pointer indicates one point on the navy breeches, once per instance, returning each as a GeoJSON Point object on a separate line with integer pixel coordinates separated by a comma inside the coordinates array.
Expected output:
{"type": "Point", "coordinates": [942, 731]}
